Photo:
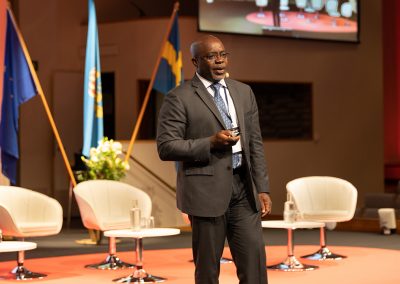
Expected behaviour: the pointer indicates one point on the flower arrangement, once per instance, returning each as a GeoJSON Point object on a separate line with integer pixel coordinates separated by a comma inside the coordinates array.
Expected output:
{"type": "Point", "coordinates": [104, 162]}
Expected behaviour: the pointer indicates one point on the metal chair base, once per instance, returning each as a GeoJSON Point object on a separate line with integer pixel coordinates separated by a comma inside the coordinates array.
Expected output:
{"type": "Point", "coordinates": [112, 262]}
{"type": "Point", "coordinates": [324, 254]}
{"type": "Point", "coordinates": [225, 260]}
{"type": "Point", "coordinates": [140, 276]}
{"type": "Point", "coordinates": [21, 273]}
{"type": "Point", "coordinates": [292, 264]}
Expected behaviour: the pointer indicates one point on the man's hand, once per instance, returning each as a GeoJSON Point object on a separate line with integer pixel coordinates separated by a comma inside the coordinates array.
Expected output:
{"type": "Point", "coordinates": [223, 140]}
{"type": "Point", "coordinates": [266, 203]}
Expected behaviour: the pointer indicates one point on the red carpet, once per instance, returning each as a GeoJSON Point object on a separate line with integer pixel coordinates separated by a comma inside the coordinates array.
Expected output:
{"type": "Point", "coordinates": [363, 266]}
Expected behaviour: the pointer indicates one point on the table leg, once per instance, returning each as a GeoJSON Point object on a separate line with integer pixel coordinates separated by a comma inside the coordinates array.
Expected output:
{"type": "Point", "coordinates": [139, 275]}
{"type": "Point", "coordinates": [291, 263]}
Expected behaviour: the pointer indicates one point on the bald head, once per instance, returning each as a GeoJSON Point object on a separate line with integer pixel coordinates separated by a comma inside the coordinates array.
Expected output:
{"type": "Point", "coordinates": [199, 45]}
{"type": "Point", "coordinates": [209, 57]}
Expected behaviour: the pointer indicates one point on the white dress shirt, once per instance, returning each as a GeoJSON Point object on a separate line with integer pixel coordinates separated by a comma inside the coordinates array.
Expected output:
{"type": "Point", "coordinates": [226, 97]}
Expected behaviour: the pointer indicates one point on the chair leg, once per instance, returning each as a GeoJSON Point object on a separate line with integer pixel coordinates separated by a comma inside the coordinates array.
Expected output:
{"type": "Point", "coordinates": [112, 261]}
{"type": "Point", "coordinates": [21, 273]}
{"type": "Point", "coordinates": [323, 253]}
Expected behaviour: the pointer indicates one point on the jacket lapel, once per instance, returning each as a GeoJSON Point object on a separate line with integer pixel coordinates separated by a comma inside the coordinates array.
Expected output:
{"type": "Point", "coordinates": [238, 105]}
{"type": "Point", "coordinates": [205, 96]}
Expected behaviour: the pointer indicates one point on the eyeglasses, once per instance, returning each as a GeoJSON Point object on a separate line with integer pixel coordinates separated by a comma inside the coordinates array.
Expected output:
{"type": "Point", "coordinates": [213, 56]}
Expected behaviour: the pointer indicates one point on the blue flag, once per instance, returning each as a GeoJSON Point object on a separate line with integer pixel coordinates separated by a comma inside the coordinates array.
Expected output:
{"type": "Point", "coordinates": [170, 72]}
{"type": "Point", "coordinates": [18, 88]}
{"type": "Point", "coordinates": [92, 96]}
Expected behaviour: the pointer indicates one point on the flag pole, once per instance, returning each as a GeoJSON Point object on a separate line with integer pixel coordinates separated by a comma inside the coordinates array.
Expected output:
{"type": "Point", "coordinates": [43, 98]}
{"type": "Point", "coordinates": [150, 87]}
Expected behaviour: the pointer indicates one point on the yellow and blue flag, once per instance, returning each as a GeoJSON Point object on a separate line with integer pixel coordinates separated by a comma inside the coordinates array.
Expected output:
{"type": "Point", "coordinates": [170, 71]}
{"type": "Point", "coordinates": [18, 87]}
{"type": "Point", "coordinates": [93, 101]}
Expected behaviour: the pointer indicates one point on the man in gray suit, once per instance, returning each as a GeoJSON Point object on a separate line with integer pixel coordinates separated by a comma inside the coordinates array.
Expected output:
{"type": "Point", "coordinates": [222, 181]}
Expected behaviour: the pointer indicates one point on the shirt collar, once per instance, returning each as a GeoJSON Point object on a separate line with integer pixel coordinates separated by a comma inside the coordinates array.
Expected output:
{"type": "Point", "coordinates": [207, 83]}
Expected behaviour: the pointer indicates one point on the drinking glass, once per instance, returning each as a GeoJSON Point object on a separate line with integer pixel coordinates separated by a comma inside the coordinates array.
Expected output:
{"type": "Point", "coordinates": [147, 223]}
{"type": "Point", "coordinates": [150, 222]}
{"type": "Point", "coordinates": [135, 216]}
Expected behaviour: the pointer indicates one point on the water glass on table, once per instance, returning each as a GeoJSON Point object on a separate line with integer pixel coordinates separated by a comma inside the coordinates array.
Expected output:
{"type": "Point", "coordinates": [147, 223]}
{"type": "Point", "coordinates": [135, 218]}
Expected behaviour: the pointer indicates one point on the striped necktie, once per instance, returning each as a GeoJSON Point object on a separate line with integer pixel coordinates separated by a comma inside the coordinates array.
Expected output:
{"type": "Point", "coordinates": [219, 102]}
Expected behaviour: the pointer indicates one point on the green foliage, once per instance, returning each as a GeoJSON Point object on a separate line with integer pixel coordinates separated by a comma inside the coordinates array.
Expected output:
{"type": "Point", "coordinates": [104, 162]}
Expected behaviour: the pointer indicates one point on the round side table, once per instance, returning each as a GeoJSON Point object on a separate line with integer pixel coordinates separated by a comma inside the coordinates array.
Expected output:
{"type": "Point", "coordinates": [291, 263]}
{"type": "Point", "coordinates": [140, 275]}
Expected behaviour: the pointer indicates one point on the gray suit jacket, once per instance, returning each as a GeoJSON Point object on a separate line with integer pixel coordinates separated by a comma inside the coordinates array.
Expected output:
{"type": "Point", "coordinates": [188, 117]}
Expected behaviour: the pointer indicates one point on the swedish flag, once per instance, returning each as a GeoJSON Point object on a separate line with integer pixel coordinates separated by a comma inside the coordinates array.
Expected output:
{"type": "Point", "coordinates": [170, 71]}
{"type": "Point", "coordinates": [92, 97]}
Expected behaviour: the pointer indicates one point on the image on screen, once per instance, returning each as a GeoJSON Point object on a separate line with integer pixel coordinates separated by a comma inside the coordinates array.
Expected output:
{"type": "Point", "coordinates": [336, 20]}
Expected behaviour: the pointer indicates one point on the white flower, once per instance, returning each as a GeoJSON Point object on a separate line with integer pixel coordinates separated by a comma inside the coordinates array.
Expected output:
{"type": "Point", "coordinates": [93, 152]}
{"type": "Point", "coordinates": [104, 162]}
{"type": "Point", "coordinates": [116, 146]}
{"type": "Point", "coordinates": [105, 146]}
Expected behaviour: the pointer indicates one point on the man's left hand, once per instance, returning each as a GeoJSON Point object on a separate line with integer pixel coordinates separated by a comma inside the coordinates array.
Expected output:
{"type": "Point", "coordinates": [266, 203]}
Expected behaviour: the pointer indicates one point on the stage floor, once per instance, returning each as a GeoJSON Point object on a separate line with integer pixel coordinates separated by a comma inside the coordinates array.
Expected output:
{"type": "Point", "coordinates": [372, 258]}
{"type": "Point", "coordinates": [363, 265]}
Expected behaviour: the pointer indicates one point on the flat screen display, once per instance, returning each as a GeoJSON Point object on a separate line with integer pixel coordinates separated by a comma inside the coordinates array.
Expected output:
{"type": "Point", "coordinates": [336, 20]}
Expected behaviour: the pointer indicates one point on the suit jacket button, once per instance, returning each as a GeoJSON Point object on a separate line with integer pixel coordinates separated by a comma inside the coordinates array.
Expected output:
{"type": "Point", "coordinates": [229, 168]}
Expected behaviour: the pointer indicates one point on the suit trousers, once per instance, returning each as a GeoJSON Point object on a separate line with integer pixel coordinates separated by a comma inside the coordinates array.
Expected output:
{"type": "Point", "coordinates": [241, 225]}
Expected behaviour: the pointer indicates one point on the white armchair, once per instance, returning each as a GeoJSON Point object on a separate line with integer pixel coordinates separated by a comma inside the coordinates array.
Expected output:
{"type": "Point", "coordinates": [331, 7]}
{"type": "Point", "coordinates": [261, 4]}
{"type": "Point", "coordinates": [347, 11]}
{"type": "Point", "coordinates": [301, 5]}
{"type": "Point", "coordinates": [104, 205]}
{"type": "Point", "coordinates": [323, 199]}
{"type": "Point", "coordinates": [284, 5]}
{"type": "Point", "coordinates": [317, 5]}
{"type": "Point", "coordinates": [25, 213]}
